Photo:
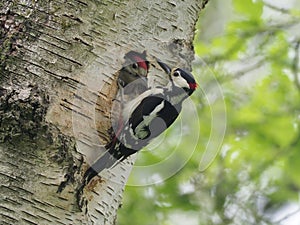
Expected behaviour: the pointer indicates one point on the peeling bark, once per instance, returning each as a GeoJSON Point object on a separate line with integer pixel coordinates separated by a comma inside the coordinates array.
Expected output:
{"type": "Point", "coordinates": [57, 73]}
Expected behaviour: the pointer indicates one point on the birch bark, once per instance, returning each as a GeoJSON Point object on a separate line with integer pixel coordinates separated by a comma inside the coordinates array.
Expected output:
{"type": "Point", "coordinates": [58, 60]}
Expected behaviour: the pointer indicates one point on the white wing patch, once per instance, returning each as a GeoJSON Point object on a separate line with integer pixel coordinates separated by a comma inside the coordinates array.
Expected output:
{"type": "Point", "coordinates": [140, 131]}
{"type": "Point", "coordinates": [133, 104]}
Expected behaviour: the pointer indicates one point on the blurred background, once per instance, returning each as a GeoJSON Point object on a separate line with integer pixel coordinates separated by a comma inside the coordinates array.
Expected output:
{"type": "Point", "coordinates": [247, 66]}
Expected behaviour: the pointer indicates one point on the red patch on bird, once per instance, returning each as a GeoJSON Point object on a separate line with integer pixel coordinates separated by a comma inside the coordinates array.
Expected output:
{"type": "Point", "coordinates": [141, 62]}
{"type": "Point", "coordinates": [193, 86]}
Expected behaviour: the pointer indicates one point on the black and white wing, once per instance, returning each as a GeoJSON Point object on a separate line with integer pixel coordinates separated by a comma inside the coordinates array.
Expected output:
{"type": "Point", "coordinates": [152, 116]}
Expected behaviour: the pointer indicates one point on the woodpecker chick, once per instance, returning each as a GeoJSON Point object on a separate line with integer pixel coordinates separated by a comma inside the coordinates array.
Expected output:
{"type": "Point", "coordinates": [132, 77]}
{"type": "Point", "coordinates": [134, 68]}
{"type": "Point", "coordinates": [132, 81]}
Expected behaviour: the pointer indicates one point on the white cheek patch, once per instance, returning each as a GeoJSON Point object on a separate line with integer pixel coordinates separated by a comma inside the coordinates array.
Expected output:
{"type": "Point", "coordinates": [180, 82]}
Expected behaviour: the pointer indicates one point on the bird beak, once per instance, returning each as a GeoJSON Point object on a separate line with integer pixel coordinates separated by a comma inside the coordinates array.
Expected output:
{"type": "Point", "coordinates": [164, 66]}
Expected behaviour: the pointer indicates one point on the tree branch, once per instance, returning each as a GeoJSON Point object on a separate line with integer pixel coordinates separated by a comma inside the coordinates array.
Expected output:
{"type": "Point", "coordinates": [295, 66]}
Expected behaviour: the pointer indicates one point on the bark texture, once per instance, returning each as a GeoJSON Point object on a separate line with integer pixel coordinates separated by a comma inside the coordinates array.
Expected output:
{"type": "Point", "coordinates": [57, 82]}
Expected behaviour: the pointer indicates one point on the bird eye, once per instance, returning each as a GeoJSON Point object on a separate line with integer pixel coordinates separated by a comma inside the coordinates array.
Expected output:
{"type": "Point", "coordinates": [176, 74]}
{"type": "Point", "coordinates": [135, 65]}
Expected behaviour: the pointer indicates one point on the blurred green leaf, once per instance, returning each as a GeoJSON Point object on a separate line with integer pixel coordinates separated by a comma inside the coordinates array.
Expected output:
{"type": "Point", "coordinates": [249, 8]}
{"type": "Point", "coordinates": [257, 168]}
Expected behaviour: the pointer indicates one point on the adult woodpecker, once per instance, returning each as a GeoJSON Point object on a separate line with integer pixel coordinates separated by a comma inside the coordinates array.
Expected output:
{"type": "Point", "coordinates": [144, 118]}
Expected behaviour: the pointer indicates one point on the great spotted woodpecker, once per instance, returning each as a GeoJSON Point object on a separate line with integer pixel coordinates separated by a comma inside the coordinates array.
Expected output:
{"type": "Point", "coordinates": [144, 118]}
{"type": "Point", "coordinates": [132, 81]}
{"type": "Point", "coordinates": [132, 78]}
{"type": "Point", "coordinates": [134, 67]}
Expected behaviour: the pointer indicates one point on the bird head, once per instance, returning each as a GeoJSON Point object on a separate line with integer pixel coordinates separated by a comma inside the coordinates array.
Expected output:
{"type": "Point", "coordinates": [136, 63]}
{"type": "Point", "coordinates": [180, 78]}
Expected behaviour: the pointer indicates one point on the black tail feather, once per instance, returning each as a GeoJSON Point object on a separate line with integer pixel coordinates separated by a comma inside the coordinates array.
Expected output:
{"type": "Point", "coordinates": [104, 162]}
{"type": "Point", "coordinates": [115, 154]}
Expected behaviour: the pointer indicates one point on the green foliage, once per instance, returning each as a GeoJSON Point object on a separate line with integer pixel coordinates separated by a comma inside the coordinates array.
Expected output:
{"type": "Point", "coordinates": [255, 62]}
{"type": "Point", "coordinates": [250, 9]}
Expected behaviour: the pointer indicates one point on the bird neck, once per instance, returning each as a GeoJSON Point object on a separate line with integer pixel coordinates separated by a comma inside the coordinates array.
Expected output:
{"type": "Point", "coordinates": [175, 95]}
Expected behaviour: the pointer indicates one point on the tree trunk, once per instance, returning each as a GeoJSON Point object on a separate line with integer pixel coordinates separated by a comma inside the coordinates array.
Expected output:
{"type": "Point", "coordinates": [58, 65]}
